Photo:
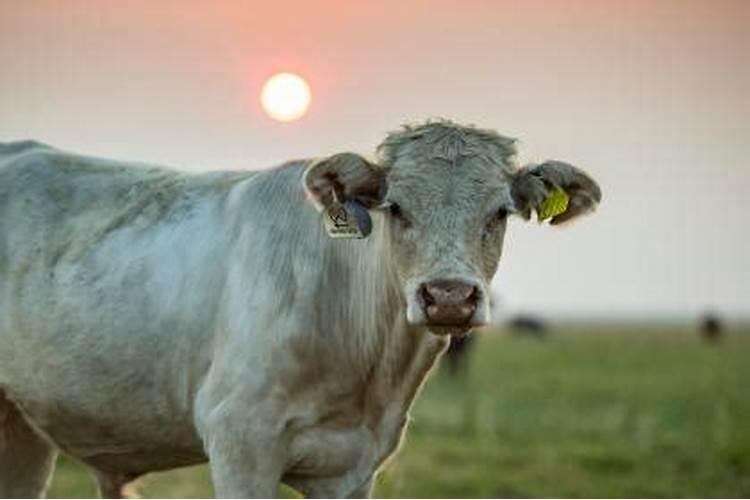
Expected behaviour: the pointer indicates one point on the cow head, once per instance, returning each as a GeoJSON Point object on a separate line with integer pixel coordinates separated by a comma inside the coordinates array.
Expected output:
{"type": "Point", "coordinates": [446, 192]}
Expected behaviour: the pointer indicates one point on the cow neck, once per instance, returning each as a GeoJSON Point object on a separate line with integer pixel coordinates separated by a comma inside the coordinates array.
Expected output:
{"type": "Point", "coordinates": [390, 355]}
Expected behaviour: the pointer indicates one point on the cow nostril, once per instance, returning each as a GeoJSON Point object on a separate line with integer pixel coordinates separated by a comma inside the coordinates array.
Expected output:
{"type": "Point", "coordinates": [449, 302]}
{"type": "Point", "coordinates": [427, 298]}
{"type": "Point", "coordinates": [449, 293]}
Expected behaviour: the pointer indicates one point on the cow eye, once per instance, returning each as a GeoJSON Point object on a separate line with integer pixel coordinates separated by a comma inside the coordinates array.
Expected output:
{"type": "Point", "coordinates": [398, 214]}
{"type": "Point", "coordinates": [395, 210]}
{"type": "Point", "coordinates": [501, 214]}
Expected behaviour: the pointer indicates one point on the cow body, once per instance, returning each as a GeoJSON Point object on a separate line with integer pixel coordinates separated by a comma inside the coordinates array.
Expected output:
{"type": "Point", "coordinates": [139, 305]}
{"type": "Point", "coordinates": [151, 319]}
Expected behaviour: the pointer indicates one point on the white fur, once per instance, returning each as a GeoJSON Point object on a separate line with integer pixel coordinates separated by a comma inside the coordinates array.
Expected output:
{"type": "Point", "coordinates": [150, 319]}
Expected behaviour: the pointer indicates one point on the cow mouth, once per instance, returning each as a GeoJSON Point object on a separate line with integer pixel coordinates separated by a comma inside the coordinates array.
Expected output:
{"type": "Point", "coordinates": [453, 319]}
{"type": "Point", "coordinates": [452, 330]}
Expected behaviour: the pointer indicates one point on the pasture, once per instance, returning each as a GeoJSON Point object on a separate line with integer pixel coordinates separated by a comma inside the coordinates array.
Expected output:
{"type": "Point", "coordinates": [587, 412]}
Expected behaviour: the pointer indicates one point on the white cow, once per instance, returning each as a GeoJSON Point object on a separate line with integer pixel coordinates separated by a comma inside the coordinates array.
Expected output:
{"type": "Point", "coordinates": [151, 319]}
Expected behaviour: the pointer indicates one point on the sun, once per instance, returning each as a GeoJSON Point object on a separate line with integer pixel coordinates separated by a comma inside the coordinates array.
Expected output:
{"type": "Point", "coordinates": [285, 97]}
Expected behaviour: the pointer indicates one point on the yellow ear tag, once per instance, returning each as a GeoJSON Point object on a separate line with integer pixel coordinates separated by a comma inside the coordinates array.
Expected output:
{"type": "Point", "coordinates": [555, 204]}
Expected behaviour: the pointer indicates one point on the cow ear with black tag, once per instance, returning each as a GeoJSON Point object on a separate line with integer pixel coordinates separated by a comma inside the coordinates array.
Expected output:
{"type": "Point", "coordinates": [344, 187]}
{"type": "Point", "coordinates": [347, 220]}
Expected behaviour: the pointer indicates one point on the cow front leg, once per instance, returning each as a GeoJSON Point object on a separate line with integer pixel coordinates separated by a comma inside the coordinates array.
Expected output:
{"type": "Point", "coordinates": [364, 490]}
{"type": "Point", "coordinates": [27, 459]}
{"type": "Point", "coordinates": [250, 472]}
{"type": "Point", "coordinates": [244, 451]}
{"type": "Point", "coordinates": [348, 485]}
{"type": "Point", "coordinates": [245, 459]}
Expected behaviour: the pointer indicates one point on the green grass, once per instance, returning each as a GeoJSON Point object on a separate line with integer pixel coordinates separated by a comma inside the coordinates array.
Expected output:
{"type": "Point", "coordinates": [586, 413]}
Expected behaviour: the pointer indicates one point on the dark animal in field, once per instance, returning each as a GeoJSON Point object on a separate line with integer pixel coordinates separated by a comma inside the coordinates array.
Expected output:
{"type": "Point", "coordinates": [524, 325]}
{"type": "Point", "coordinates": [711, 328]}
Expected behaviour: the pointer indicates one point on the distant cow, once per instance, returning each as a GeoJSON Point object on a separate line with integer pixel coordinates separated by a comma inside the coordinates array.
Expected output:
{"type": "Point", "coordinates": [151, 319]}
{"type": "Point", "coordinates": [711, 328]}
{"type": "Point", "coordinates": [528, 325]}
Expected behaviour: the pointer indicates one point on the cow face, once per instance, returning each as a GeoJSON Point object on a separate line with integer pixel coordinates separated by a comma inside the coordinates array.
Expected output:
{"type": "Point", "coordinates": [446, 193]}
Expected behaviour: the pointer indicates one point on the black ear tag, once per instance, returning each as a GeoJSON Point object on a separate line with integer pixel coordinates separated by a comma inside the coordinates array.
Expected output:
{"type": "Point", "coordinates": [347, 220]}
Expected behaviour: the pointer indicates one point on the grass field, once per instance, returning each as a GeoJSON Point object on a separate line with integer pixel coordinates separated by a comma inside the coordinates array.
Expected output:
{"type": "Point", "coordinates": [588, 412]}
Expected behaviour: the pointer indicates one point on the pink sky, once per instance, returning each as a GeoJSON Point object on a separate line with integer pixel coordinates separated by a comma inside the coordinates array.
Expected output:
{"type": "Point", "coordinates": [651, 97]}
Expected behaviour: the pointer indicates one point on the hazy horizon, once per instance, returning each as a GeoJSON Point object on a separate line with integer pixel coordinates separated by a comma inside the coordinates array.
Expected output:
{"type": "Point", "coordinates": [651, 98]}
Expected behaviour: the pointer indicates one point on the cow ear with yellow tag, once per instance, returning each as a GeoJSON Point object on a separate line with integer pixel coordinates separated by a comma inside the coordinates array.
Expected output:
{"type": "Point", "coordinates": [554, 204]}
{"type": "Point", "coordinates": [343, 187]}
{"type": "Point", "coordinates": [556, 191]}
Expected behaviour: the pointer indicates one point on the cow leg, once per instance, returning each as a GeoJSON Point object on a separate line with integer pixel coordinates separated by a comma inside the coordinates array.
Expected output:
{"type": "Point", "coordinates": [27, 459]}
{"type": "Point", "coordinates": [244, 450]}
{"type": "Point", "coordinates": [330, 487]}
{"type": "Point", "coordinates": [363, 491]}
{"type": "Point", "coordinates": [115, 485]}
{"type": "Point", "coordinates": [244, 469]}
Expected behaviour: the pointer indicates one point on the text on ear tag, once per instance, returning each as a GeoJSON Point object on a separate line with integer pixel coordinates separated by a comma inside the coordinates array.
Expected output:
{"type": "Point", "coordinates": [347, 220]}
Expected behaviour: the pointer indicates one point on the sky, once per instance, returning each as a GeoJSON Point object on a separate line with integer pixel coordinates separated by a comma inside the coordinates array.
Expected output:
{"type": "Point", "coordinates": [652, 98]}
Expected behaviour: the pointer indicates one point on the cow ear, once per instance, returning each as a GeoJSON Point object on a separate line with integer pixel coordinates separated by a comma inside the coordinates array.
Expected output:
{"type": "Point", "coordinates": [345, 177]}
{"type": "Point", "coordinates": [533, 184]}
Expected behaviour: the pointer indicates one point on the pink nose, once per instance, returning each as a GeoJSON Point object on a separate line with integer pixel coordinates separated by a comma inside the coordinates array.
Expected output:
{"type": "Point", "coordinates": [449, 302]}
